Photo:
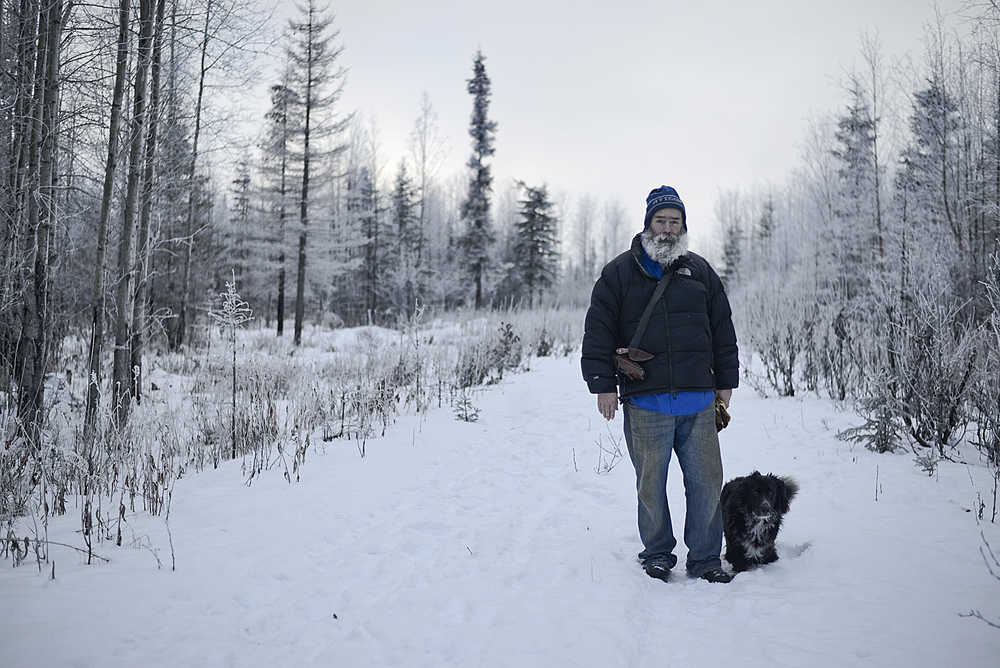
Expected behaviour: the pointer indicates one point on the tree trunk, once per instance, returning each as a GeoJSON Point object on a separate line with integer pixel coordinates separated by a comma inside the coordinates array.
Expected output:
{"type": "Point", "coordinates": [31, 393]}
{"type": "Point", "coordinates": [281, 216]}
{"type": "Point", "coordinates": [97, 295]}
{"type": "Point", "coordinates": [281, 294]}
{"type": "Point", "coordinates": [874, 64]}
{"type": "Point", "coordinates": [121, 378]}
{"type": "Point", "coordinates": [479, 285]}
{"type": "Point", "coordinates": [189, 222]}
{"type": "Point", "coordinates": [373, 267]}
{"type": "Point", "coordinates": [996, 131]}
{"type": "Point", "coordinates": [17, 237]}
{"type": "Point", "coordinates": [28, 60]}
{"type": "Point", "coordinates": [30, 380]}
{"type": "Point", "coordinates": [304, 195]}
{"type": "Point", "coordinates": [140, 303]}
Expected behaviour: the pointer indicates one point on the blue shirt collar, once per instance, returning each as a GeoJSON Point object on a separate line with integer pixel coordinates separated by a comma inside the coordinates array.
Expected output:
{"type": "Point", "coordinates": [650, 265]}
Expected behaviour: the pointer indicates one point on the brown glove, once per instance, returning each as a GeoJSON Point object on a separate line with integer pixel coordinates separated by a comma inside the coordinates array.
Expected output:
{"type": "Point", "coordinates": [626, 362]}
{"type": "Point", "coordinates": [722, 416]}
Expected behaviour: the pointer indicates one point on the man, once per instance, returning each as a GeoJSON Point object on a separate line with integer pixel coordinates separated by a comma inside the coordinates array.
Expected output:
{"type": "Point", "coordinates": [694, 360]}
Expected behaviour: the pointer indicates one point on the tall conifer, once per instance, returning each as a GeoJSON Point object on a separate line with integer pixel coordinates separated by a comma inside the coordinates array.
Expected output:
{"type": "Point", "coordinates": [476, 207]}
{"type": "Point", "coordinates": [318, 85]}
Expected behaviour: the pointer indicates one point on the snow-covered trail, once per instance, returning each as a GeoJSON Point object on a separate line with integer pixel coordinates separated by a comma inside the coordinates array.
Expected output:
{"type": "Point", "coordinates": [496, 543]}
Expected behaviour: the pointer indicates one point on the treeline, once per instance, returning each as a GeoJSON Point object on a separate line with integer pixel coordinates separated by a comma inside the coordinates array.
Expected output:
{"type": "Point", "coordinates": [105, 193]}
{"type": "Point", "coordinates": [123, 217]}
{"type": "Point", "coordinates": [872, 275]}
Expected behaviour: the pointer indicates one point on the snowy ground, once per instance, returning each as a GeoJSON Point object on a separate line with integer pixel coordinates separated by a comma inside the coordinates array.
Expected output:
{"type": "Point", "coordinates": [496, 543]}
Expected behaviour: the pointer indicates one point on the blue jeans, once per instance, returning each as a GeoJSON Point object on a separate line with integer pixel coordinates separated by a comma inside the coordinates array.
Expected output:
{"type": "Point", "coordinates": [651, 436]}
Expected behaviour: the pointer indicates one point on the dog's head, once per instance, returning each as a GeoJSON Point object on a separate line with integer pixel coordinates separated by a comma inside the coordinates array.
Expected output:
{"type": "Point", "coordinates": [769, 493]}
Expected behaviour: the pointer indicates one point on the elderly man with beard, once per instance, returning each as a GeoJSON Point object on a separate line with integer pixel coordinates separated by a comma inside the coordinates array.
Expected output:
{"type": "Point", "coordinates": [692, 356]}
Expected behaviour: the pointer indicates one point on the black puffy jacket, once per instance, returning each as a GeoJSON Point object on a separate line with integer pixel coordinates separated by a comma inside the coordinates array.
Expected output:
{"type": "Point", "coordinates": [690, 331]}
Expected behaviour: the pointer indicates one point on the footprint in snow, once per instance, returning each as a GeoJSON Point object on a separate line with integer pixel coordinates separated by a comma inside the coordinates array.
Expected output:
{"type": "Point", "coordinates": [793, 551]}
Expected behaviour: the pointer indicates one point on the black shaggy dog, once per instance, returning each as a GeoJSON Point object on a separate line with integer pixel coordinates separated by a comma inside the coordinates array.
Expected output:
{"type": "Point", "coordinates": [752, 508]}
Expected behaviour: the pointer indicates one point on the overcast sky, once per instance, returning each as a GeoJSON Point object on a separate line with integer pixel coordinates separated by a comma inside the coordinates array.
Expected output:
{"type": "Point", "coordinates": [613, 98]}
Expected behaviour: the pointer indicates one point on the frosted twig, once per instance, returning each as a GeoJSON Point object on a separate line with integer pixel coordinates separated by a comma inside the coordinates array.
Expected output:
{"type": "Point", "coordinates": [72, 547]}
{"type": "Point", "coordinates": [975, 614]}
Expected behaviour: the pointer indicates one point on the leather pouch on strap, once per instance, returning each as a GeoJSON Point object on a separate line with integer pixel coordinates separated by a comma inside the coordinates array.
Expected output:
{"type": "Point", "coordinates": [627, 359]}
{"type": "Point", "coordinates": [627, 362]}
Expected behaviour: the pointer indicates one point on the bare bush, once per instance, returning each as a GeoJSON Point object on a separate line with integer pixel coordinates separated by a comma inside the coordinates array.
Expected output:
{"type": "Point", "coordinates": [937, 355]}
{"type": "Point", "coordinates": [874, 345]}
{"type": "Point", "coordinates": [778, 324]}
{"type": "Point", "coordinates": [986, 393]}
{"type": "Point", "coordinates": [609, 454]}
{"type": "Point", "coordinates": [993, 566]}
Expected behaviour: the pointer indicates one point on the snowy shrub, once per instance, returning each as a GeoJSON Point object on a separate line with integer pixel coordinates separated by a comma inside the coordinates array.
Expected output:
{"type": "Point", "coordinates": [405, 371]}
{"type": "Point", "coordinates": [255, 427]}
{"type": "Point", "coordinates": [986, 390]}
{"type": "Point", "coordinates": [882, 429]}
{"type": "Point", "coordinates": [985, 399]}
{"type": "Point", "coordinates": [209, 436]}
{"type": "Point", "coordinates": [230, 316]}
{"type": "Point", "coordinates": [874, 346]}
{"type": "Point", "coordinates": [474, 364]}
{"type": "Point", "coordinates": [834, 360]}
{"type": "Point", "coordinates": [506, 352]}
{"type": "Point", "coordinates": [545, 344]}
{"type": "Point", "coordinates": [986, 393]}
{"type": "Point", "coordinates": [777, 324]}
{"type": "Point", "coordinates": [16, 466]}
{"type": "Point", "coordinates": [484, 359]}
{"type": "Point", "coordinates": [937, 355]}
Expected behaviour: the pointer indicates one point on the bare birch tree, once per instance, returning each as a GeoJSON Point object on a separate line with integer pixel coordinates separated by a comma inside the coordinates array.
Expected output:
{"type": "Point", "coordinates": [111, 165]}
{"type": "Point", "coordinates": [140, 301]}
{"type": "Point", "coordinates": [34, 349]}
{"type": "Point", "coordinates": [121, 376]}
{"type": "Point", "coordinates": [189, 231]}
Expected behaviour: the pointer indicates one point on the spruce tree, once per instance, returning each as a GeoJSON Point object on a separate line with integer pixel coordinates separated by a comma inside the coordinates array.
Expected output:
{"type": "Point", "coordinates": [927, 169]}
{"type": "Point", "coordinates": [729, 212]}
{"type": "Point", "coordinates": [732, 253]}
{"type": "Point", "coordinates": [371, 228]}
{"type": "Point", "coordinates": [476, 207]}
{"type": "Point", "coordinates": [239, 221]}
{"type": "Point", "coordinates": [536, 255]}
{"type": "Point", "coordinates": [407, 243]}
{"type": "Point", "coordinates": [765, 225]}
{"type": "Point", "coordinates": [853, 240]}
{"type": "Point", "coordinates": [352, 231]}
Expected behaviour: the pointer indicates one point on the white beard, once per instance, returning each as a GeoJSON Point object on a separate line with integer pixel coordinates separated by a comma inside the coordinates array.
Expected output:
{"type": "Point", "coordinates": [664, 248]}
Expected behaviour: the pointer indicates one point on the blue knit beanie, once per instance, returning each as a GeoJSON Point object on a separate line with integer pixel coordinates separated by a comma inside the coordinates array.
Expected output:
{"type": "Point", "coordinates": [664, 197]}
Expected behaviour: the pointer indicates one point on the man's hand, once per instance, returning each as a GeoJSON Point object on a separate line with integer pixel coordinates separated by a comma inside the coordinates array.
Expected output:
{"type": "Point", "coordinates": [725, 395]}
{"type": "Point", "coordinates": [607, 404]}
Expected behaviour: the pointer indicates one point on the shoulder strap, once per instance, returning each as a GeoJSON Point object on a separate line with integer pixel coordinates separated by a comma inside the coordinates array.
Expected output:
{"type": "Point", "coordinates": [641, 329]}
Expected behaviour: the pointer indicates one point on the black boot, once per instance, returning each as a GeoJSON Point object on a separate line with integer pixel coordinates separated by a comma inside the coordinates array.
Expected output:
{"type": "Point", "coordinates": [717, 575]}
{"type": "Point", "coordinates": [658, 571]}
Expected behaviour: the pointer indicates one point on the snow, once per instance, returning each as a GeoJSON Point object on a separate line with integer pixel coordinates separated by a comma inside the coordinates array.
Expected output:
{"type": "Point", "coordinates": [497, 543]}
